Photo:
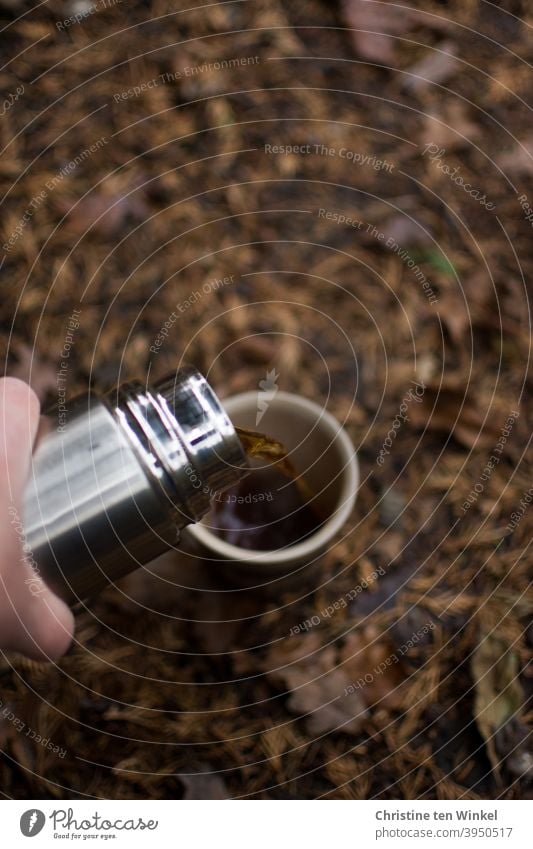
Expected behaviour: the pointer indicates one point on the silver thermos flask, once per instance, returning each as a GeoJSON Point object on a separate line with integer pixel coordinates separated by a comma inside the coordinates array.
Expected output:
{"type": "Point", "coordinates": [115, 479]}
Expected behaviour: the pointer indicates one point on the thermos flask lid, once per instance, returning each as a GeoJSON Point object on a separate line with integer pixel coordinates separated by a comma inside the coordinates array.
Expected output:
{"type": "Point", "coordinates": [185, 438]}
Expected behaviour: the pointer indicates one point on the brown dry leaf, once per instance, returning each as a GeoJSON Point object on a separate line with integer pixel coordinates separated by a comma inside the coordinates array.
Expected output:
{"type": "Point", "coordinates": [255, 349]}
{"type": "Point", "coordinates": [7, 727]}
{"type": "Point", "coordinates": [436, 67]}
{"type": "Point", "coordinates": [157, 586]}
{"type": "Point", "coordinates": [446, 127]}
{"type": "Point", "coordinates": [388, 547]}
{"type": "Point", "coordinates": [449, 410]}
{"type": "Point", "coordinates": [499, 695]}
{"type": "Point", "coordinates": [41, 374]}
{"type": "Point", "coordinates": [455, 314]}
{"type": "Point", "coordinates": [471, 303]}
{"type": "Point", "coordinates": [379, 24]}
{"type": "Point", "coordinates": [405, 231]}
{"type": "Point", "coordinates": [223, 618]}
{"type": "Point", "coordinates": [319, 687]}
{"type": "Point", "coordinates": [373, 27]}
{"type": "Point", "coordinates": [104, 214]}
{"type": "Point", "coordinates": [513, 743]}
{"type": "Point", "coordinates": [203, 786]}
{"type": "Point", "coordinates": [518, 160]}
{"type": "Point", "coordinates": [368, 653]}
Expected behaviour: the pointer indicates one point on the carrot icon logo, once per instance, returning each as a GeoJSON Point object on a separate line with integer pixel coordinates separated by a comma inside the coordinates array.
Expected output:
{"type": "Point", "coordinates": [32, 822]}
{"type": "Point", "coordinates": [267, 389]}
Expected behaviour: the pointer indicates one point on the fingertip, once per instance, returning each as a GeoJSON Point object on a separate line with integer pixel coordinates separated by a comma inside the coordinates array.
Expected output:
{"type": "Point", "coordinates": [19, 422]}
{"type": "Point", "coordinates": [20, 396]}
{"type": "Point", "coordinates": [50, 628]}
{"type": "Point", "coordinates": [61, 630]}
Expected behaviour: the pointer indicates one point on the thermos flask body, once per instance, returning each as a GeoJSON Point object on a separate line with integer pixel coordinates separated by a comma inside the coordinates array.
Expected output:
{"type": "Point", "coordinates": [111, 488]}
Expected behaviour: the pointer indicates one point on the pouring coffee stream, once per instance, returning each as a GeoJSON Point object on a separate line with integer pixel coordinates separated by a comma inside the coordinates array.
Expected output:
{"type": "Point", "coordinates": [262, 447]}
{"type": "Point", "coordinates": [272, 507]}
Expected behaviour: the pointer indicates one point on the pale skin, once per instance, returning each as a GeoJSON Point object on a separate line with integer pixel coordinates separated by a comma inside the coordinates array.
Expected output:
{"type": "Point", "coordinates": [33, 620]}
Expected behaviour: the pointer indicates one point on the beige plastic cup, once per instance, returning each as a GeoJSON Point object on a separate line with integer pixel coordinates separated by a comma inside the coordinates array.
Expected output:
{"type": "Point", "coordinates": [322, 452]}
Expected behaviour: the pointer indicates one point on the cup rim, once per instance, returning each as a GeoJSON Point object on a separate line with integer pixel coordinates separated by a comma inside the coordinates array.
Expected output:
{"type": "Point", "coordinates": [317, 541]}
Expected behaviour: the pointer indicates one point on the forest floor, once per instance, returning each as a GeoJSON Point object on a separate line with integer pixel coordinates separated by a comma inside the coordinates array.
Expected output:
{"type": "Point", "coordinates": [367, 196]}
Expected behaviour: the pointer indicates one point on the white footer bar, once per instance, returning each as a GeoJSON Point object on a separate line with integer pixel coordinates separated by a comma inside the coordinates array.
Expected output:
{"type": "Point", "coordinates": [267, 824]}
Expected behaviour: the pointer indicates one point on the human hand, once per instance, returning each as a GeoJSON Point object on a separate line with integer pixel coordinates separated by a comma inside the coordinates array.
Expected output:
{"type": "Point", "coordinates": [33, 620]}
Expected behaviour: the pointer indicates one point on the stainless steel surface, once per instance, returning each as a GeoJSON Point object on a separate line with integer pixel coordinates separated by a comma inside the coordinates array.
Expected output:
{"type": "Point", "coordinates": [110, 490]}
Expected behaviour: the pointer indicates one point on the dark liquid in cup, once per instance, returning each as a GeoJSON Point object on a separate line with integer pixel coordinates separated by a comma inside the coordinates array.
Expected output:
{"type": "Point", "coordinates": [270, 508]}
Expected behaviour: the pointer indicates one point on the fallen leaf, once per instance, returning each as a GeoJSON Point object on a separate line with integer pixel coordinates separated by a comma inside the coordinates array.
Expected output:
{"type": "Point", "coordinates": [374, 26]}
{"type": "Point", "coordinates": [436, 67]}
{"type": "Point", "coordinates": [7, 728]}
{"type": "Point", "coordinates": [519, 159]}
{"type": "Point", "coordinates": [498, 694]}
{"type": "Point", "coordinates": [255, 349]}
{"type": "Point", "coordinates": [391, 506]}
{"type": "Point", "coordinates": [455, 315]}
{"type": "Point", "coordinates": [471, 302]}
{"type": "Point", "coordinates": [403, 230]}
{"type": "Point", "coordinates": [80, 7]}
{"type": "Point", "coordinates": [449, 127]}
{"type": "Point", "coordinates": [203, 786]}
{"type": "Point", "coordinates": [388, 547]}
{"type": "Point", "coordinates": [319, 689]}
{"type": "Point", "coordinates": [105, 214]}
{"type": "Point", "coordinates": [369, 659]}
{"type": "Point", "coordinates": [156, 586]}
{"type": "Point", "coordinates": [450, 410]}
{"type": "Point", "coordinates": [406, 231]}
{"type": "Point", "coordinates": [372, 29]}
{"type": "Point", "coordinates": [221, 617]}
{"type": "Point", "coordinates": [513, 743]}
{"type": "Point", "coordinates": [23, 752]}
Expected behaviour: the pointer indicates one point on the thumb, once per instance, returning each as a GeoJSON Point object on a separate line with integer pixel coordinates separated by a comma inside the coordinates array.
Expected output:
{"type": "Point", "coordinates": [32, 619]}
